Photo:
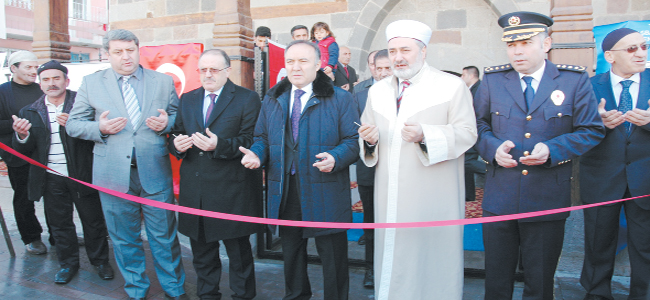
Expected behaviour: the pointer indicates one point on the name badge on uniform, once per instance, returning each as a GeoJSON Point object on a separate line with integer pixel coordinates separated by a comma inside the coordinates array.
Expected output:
{"type": "Point", "coordinates": [558, 97]}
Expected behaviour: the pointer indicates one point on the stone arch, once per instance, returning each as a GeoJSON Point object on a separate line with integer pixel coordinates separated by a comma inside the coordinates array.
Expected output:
{"type": "Point", "coordinates": [373, 14]}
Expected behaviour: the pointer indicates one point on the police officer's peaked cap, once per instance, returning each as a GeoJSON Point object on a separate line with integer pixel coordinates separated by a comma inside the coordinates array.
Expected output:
{"type": "Point", "coordinates": [522, 25]}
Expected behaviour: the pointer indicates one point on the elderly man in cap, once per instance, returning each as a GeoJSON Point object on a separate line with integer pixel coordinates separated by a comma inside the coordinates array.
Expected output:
{"type": "Point", "coordinates": [415, 128]}
{"type": "Point", "coordinates": [618, 168]}
{"type": "Point", "coordinates": [533, 118]}
{"type": "Point", "coordinates": [40, 131]}
{"type": "Point", "coordinates": [21, 91]}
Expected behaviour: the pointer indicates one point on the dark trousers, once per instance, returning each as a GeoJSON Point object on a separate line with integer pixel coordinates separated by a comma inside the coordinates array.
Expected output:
{"type": "Point", "coordinates": [368, 200]}
{"type": "Point", "coordinates": [28, 226]}
{"type": "Point", "coordinates": [540, 244]}
{"type": "Point", "coordinates": [208, 266]}
{"type": "Point", "coordinates": [332, 250]}
{"type": "Point", "coordinates": [61, 194]}
{"type": "Point", "coordinates": [601, 236]}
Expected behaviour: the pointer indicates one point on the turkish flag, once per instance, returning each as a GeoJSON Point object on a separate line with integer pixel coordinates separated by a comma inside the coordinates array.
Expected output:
{"type": "Point", "coordinates": [180, 62]}
{"type": "Point", "coordinates": [276, 63]}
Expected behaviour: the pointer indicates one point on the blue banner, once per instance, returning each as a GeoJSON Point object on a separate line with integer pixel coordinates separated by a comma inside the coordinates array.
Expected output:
{"type": "Point", "coordinates": [600, 32]}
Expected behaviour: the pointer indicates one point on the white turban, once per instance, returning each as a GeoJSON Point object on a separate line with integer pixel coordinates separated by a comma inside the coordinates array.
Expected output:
{"type": "Point", "coordinates": [21, 56]}
{"type": "Point", "coordinates": [409, 29]}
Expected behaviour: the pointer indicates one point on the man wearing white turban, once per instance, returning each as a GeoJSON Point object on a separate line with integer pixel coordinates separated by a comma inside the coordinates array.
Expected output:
{"type": "Point", "coordinates": [416, 126]}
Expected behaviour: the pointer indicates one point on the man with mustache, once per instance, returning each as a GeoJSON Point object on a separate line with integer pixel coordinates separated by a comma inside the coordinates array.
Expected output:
{"type": "Point", "coordinates": [40, 130]}
{"type": "Point", "coordinates": [533, 118]}
{"type": "Point", "coordinates": [21, 91]}
{"type": "Point", "coordinates": [415, 128]}
{"type": "Point", "coordinates": [618, 168]}
{"type": "Point", "coordinates": [213, 121]}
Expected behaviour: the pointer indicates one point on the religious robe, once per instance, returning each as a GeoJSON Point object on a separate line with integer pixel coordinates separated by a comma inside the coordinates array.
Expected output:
{"type": "Point", "coordinates": [412, 185]}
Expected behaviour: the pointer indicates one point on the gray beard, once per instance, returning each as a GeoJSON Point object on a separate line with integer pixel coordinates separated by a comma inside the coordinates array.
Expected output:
{"type": "Point", "coordinates": [411, 71]}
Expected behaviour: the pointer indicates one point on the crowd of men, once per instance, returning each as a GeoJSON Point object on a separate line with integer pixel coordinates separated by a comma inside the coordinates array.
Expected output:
{"type": "Point", "coordinates": [415, 133]}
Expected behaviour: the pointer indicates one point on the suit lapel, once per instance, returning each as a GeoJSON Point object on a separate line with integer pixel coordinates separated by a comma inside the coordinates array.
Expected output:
{"type": "Point", "coordinates": [115, 92]}
{"type": "Point", "coordinates": [644, 91]}
{"type": "Point", "coordinates": [546, 86]}
{"type": "Point", "coordinates": [226, 96]}
{"type": "Point", "coordinates": [513, 86]}
{"type": "Point", "coordinates": [149, 92]}
{"type": "Point", "coordinates": [196, 106]}
{"type": "Point", "coordinates": [604, 87]}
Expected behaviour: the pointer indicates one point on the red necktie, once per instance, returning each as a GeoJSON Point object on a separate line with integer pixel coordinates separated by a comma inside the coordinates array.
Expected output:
{"type": "Point", "coordinates": [405, 84]}
{"type": "Point", "coordinates": [209, 111]}
{"type": "Point", "coordinates": [347, 74]}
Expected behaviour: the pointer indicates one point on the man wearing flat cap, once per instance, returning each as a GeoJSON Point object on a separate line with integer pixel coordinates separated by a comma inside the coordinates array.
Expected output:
{"type": "Point", "coordinates": [416, 126]}
{"type": "Point", "coordinates": [40, 131]}
{"type": "Point", "coordinates": [533, 118]}
{"type": "Point", "coordinates": [21, 91]}
{"type": "Point", "coordinates": [618, 168]}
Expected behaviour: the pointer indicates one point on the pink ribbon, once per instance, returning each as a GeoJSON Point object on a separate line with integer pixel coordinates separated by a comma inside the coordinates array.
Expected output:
{"type": "Point", "coordinates": [248, 219]}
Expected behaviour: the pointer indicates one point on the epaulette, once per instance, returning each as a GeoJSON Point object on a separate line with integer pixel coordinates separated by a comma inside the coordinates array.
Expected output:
{"type": "Point", "coordinates": [500, 68]}
{"type": "Point", "coordinates": [579, 69]}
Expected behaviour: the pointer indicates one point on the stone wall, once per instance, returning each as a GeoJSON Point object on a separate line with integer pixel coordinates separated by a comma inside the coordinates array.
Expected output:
{"type": "Point", "coordinates": [465, 31]}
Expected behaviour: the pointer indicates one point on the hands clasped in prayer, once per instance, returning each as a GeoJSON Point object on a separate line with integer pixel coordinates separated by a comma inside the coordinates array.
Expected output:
{"type": "Point", "coordinates": [115, 125]}
{"type": "Point", "coordinates": [325, 162]}
{"type": "Point", "coordinates": [538, 156]}
{"type": "Point", "coordinates": [205, 142]}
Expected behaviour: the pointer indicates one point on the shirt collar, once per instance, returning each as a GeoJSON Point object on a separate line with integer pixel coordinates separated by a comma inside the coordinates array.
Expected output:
{"type": "Point", "coordinates": [48, 103]}
{"type": "Point", "coordinates": [537, 75]}
{"type": "Point", "coordinates": [137, 74]}
{"type": "Point", "coordinates": [308, 89]}
{"type": "Point", "coordinates": [217, 92]}
{"type": "Point", "coordinates": [617, 79]}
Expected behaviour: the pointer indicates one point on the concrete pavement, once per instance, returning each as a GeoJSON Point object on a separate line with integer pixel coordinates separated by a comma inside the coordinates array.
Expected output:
{"type": "Point", "coordinates": [30, 276]}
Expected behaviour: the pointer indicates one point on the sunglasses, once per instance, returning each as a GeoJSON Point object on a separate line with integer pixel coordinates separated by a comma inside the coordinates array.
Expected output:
{"type": "Point", "coordinates": [633, 49]}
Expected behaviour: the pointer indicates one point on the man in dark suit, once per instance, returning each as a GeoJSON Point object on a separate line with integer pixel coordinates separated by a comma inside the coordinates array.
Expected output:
{"type": "Point", "coordinates": [619, 168]}
{"type": "Point", "coordinates": [40, 132]}
{"type": "Point", "coordinates": [472, 165]}
{"type": "Point", "coordinates": [533, 118]}
{"type": "Point", "coordinates": [346, 76]}
{"type": "Point", "coordinates": [127, 111]}
{"type": "Point", "coordinates": [212, 122]}
{"type": "Point", "coordinates": [307, 138]}
{"type": "Point", "coordinates": [366, 84]}
{"type": "Point", "coordinates": [366, 175]}
{"type": "Point", "coordinates": [21, 91]}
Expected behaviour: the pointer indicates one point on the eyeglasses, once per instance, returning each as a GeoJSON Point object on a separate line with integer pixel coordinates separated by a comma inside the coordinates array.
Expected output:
{"type": "Point", "coordinates": [211, 70]}
{"type": "Point", "coordinates": [633, 49]}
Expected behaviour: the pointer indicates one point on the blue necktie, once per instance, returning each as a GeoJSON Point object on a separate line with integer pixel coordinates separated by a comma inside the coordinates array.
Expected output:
{"type": "Point", "coordinates": [296, 111]}
{"type": "Point", "coordinates": [625, 102]}
{"type": "Point", "coordinates": [529, 93]}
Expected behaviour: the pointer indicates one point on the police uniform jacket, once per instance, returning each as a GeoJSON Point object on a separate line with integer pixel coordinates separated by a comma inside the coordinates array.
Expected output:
{"type": "Point", "coordinates": [563, 115]}
{"type": "Point", "coordinates": [621, 161]}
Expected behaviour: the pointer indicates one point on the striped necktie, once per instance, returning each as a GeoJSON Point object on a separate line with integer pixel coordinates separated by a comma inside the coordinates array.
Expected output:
{"type": "Point", "coordinates": [405, 84]}
{"type": "Point", "coordinates": [131, 101]}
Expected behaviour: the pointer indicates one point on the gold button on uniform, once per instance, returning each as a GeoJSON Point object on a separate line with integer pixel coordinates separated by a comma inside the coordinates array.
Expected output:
{"type": "Point", "coordinates": [527, 135]}
{"type": "Point", "coordinates": [528, 118]}
{"type": "Point", "coordinates": [559, 115]}
{"type": "Point", "coordinates": [524, 172]}
{"type": "Point", "coordinates": [526, 153]}
{"type": "Point", "coordinates": [496, 113]}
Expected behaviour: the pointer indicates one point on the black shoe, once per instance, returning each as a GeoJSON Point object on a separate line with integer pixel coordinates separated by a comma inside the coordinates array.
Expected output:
{"type": "Point", "coordinates": [179, 297]}
{"type": "Point", "coordinates": [362, 240]}
{"type": "Point", "coordinates": [595, 297]}
{"type": "Point", "coordinates": [65, 275]}
{"type": "Point", "coordinates": [105, 271]}
{"type": "Point", "coordinates": [369, 279]}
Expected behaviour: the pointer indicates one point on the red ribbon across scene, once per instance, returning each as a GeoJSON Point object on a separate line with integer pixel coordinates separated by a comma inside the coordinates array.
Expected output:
{"type": "Point", "coordinates": [231, 217]}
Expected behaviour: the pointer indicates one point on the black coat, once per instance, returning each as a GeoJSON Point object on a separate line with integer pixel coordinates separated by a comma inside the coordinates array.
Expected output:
{"type": "Point", "coordinates": [216, 180]}
{"type": "Point", "coordinates": [8, 107]}
{"type": "Point", "coordinates": [340, 79]}
{"type": "Point", "coordinates": [78, 152]}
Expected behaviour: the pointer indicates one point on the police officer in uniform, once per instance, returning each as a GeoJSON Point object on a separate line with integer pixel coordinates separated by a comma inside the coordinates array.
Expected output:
{"type": "Point", "coordinates": [533, 118]}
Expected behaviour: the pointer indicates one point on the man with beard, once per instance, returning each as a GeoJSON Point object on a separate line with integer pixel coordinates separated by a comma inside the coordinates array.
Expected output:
{"type": "Point", "coordinates": [366, 175]}
{"type": "Point", "coordinates": [41, 132]}
{"type": "Point", "coordinates": [416, 126]}
{"type": "Point", "coordinates": [21, 91]}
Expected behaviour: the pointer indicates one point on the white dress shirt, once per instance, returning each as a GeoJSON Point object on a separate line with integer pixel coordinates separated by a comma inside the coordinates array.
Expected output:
{"type": "Point", "coordinates": [617, 88]}
{"type": "Point", "coordinates": [303, 99]}
{"type": "Point", "coordinates": [537, 77]}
